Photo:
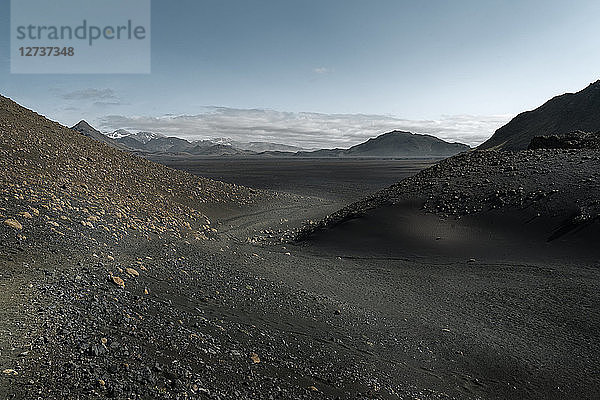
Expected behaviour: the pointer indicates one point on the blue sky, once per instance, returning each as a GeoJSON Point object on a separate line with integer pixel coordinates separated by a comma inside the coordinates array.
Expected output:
{"type": "Point", "coordinates": [330, 72]}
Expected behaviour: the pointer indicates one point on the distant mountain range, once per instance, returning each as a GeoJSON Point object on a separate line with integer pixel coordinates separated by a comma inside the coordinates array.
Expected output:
{"type": "Point", "coordinates": [559, 116]}
{"type": "Point", "coordinates": [392, 144]}
{"type": "Point", "coordinates": [259, 147]}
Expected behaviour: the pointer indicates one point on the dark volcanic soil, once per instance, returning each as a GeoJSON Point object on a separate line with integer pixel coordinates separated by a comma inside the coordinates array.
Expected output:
{"type": "Point", "coordinates": [99, 299]}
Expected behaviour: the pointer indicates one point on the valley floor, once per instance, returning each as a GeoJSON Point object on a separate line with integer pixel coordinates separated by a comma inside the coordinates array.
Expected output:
{"type": "Point", "coordinates": [245, 316]}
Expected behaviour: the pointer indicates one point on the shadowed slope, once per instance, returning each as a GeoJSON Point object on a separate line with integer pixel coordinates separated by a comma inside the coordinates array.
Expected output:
{"type": "Point", "coordinates": [560, 115]}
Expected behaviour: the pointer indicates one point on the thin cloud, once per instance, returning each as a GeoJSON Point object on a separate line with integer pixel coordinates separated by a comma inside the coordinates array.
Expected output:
{"type": "Point", "coordinates": [308, 130]}
{"type": "Point", "coordinates": [322, 70]}
{"type": "Point", "coordinates": [91, 94]}
{"type": "Point", "coordinates": [106, 104]}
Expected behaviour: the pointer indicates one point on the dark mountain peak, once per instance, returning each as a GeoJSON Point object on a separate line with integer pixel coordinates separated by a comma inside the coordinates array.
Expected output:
{"type": "Point", "coordinates": [404, 136]}
{"type": "Point", "coordinates": [86, 129]}
{"type": "Point", "coordinates": [404, 144]}
{"type": "Point", "coordinates": [82, 125]}
{"type": "Point", "coordinates": [400, 134]}
{"type": "Point", "coordinates": [396, 133]}
{"type": "Point", "coordinates": [560, 115]}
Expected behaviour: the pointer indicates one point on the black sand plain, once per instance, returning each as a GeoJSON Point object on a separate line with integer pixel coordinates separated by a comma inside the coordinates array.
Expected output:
{"type": "Point", "coordinates": [342, 180]}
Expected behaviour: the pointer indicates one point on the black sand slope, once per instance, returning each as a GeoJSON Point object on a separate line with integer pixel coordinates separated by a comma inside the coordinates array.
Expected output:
{"type": "Point", "coordinates": [537, 205]}
{"type": "Point", "coordinates": [404, 231]}
{"type": "Point", "coordinates": [561, 115]}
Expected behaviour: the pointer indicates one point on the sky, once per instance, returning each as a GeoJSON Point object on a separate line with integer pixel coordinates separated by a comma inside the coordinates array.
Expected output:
{"type": "Point", "coordinates": [329, 73]}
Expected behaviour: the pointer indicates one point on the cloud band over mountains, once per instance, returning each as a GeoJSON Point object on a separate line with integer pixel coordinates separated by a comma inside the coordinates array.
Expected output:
{"type": "Point", "coordinates": [304, 129]}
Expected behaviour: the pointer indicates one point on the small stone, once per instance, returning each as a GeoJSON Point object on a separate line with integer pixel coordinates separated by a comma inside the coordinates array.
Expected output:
{"type": "Point", "coordinates": [13, 223]}
{"type": "Point", "coordinates": [255, 358]}
{"type": "Point", "coordinates": [9, 371]}
{"type": "Point", "coordinates": [118, 281]}
{"type": "Point", "coordinates": [26, 215]}
{"type": "Point", "coordinates": [101, 382]}
{"type": "Point", "coordinates": [132, 272]}
{"type": "Point", "coordinates": [313, 388]}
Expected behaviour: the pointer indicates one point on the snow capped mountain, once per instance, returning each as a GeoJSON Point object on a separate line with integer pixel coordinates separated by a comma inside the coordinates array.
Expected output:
{"type": "Point", "coordinates": [142, 137]}
{"type": "Point", "coordinates": [145, 137]}
{"type": "Point", "coordinates": [118, 134]}
{"type": "Point", "coordinates": [257, 147]}
{"type": "Point", "coordinates": [218, 141]}
{"type": "Point", "coordinates": [148, 141]}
